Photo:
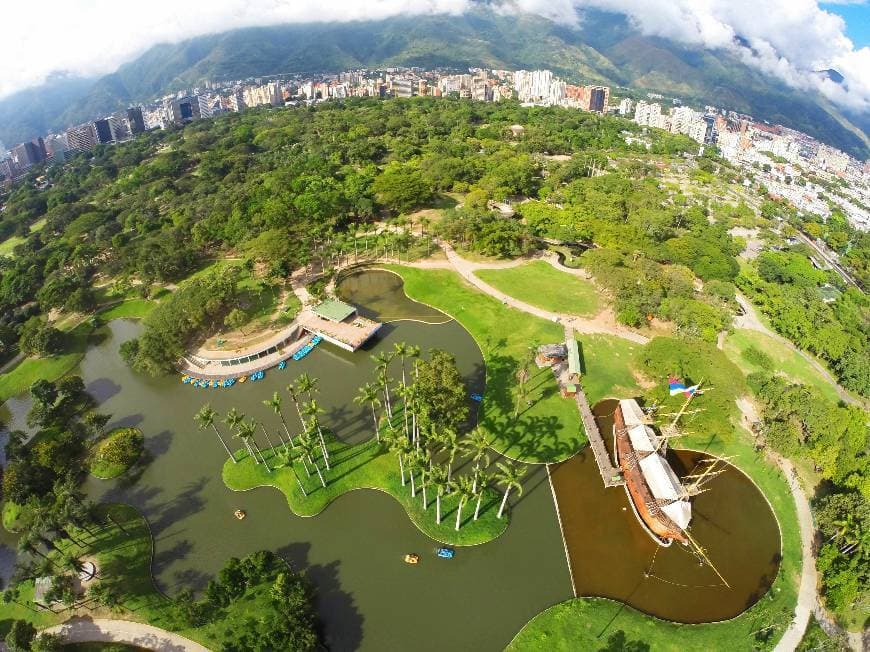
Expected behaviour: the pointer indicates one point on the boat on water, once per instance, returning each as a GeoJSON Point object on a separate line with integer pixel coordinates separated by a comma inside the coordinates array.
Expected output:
{"type": "Point", "coordinates": [660, 501]}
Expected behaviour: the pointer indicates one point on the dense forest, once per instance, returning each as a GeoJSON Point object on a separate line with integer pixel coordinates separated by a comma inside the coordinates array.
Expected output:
{"type": "Point", "coordinates": [279, 188]}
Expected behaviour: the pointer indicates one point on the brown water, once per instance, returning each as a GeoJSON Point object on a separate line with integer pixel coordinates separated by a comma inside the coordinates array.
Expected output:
{"type": "Point", "coordinates": [368, 598]}
{"type": "Point", "coordinates": [613, 556]}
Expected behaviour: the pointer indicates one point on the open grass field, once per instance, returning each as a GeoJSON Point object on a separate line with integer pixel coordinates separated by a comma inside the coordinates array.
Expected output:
{"type": "Point", "coordinates": [607, 362]}
{"type": "Point", "coordinates": [18, 380]}
{"type": "Point", "coordinates": [368, 466]}
{"type": "Point", "coordinates": [590, 623]}
{"type": "Point", "coordinates": [9, 244]}
{"type": "Point", "coordinates": [786, 361]}
{"type": "Point", "coordinates": [548, 430]}
{"type": "Point", "coordinates": [540, 284]}
{"type": "Point", "coordinates": [129, 309]}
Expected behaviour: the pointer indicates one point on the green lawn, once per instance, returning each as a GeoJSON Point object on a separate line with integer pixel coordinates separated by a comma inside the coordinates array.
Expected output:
{"type": "Point", "coordinates": [547, 431]}
{"type": "Point", "coordinates": [12, 514]}
{"type": "Point", "coordinates": [785, 360]}
{"type": "Point", "coordinates": [368, 466]}
{"type": "Point", "coordinates": [540, 284]}
{"type": "Point", "coordinates": [10, 243]}
{"type": "Point", "coordinates": [18, 380]}
{"type": "Point", "coordinates": [129, 309]}
{"type": "Point", "coordinates": [607, 363]}
{"type": "Point", "coordinates": [588, 623]}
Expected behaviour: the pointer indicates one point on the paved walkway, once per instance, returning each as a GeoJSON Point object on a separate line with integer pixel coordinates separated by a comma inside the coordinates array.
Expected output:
{"type": "Point", "coordinates": [601, 324]}
{"type": "Point", "coordinates": [104, 630]}
{"type": "Point", "coordinates": [751, 321]}
{"type": "Point", "coordinates": [808, 597]}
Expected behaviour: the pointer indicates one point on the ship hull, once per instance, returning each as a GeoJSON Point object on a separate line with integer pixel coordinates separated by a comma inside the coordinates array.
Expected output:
{"type": "Point", "coordinates": [661, 527]}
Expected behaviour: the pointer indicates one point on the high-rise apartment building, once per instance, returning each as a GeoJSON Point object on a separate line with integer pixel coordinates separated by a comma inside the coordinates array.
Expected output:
{"type": "Point", "coordinates": [135, 120]}
{"type": "Point", "coordinates": [28, 154]}
{"type": "Point", "coordinates": [181, 110]}
{"type": "Point", "coordinates": [401, 87]}
{"type": "Point", "coordinates": [103, 130]}
{"type": "Point", "coordinates": [599, 98]}
{"type": "Point", "coordinates": [626, 106]}
{"type": "Point", "coordinates": [82, 138]}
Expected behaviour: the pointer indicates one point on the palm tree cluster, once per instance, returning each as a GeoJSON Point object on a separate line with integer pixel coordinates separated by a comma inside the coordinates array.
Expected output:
{"type": "Point", "coordinates": [309, 446]}
{"type": "Point", "coordinates": [427, 453]}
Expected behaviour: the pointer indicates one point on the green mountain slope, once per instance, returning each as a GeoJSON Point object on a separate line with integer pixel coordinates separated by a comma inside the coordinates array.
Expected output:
{"type": "Point", "coordinates": [604, 48]}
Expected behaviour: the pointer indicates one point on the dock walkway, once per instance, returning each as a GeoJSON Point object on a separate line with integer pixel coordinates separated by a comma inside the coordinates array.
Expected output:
{"type": "Point", "coordinates": [610, 475]}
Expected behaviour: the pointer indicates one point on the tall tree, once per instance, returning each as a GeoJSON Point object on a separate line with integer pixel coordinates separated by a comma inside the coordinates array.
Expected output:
{"type": "Point", "coordinates": [275, 404]}
{"type": "Point", "coordinates": [465, 492]}
{"type": "Point", "coordinates": [509, 477]}
{"type": "Point", "coordinates": [368, 393]}
{"type": "Point", "coordinates": [205, 418]}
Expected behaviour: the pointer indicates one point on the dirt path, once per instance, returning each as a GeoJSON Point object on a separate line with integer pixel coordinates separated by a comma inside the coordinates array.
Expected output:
{"type": "Point", "coordinates": [104, 630]}
{"type": "Point", "coordinates": [808, 598]}
{"type": "Point", "coordinates": [603, 323]}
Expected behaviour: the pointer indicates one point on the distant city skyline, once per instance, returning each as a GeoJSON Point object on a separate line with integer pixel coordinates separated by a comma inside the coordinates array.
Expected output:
{"type": "Point", "coordinates": [780, 37]}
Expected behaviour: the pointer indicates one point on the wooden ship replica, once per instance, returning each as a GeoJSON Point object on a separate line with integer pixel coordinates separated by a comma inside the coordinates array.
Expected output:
{"type": "Point", "coordinates": [661, 500]}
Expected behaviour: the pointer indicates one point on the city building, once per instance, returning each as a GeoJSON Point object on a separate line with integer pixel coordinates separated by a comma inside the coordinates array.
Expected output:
{"type": "Point", "coordinates": [135, 120]}
{"type": "Point", "coordinates": [181, 110]}
{"type": "Point", "coordinates": [103, 130]}
{"type": "Point", "coordinates": [82, 138]}
{"type": "Point", "coordinates": [599, 98]}
{"type": "Point", "coordinates": [626, 106]}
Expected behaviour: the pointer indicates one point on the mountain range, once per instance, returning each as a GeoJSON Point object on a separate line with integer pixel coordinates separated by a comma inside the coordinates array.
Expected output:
{"type": "Point", "coordinates": [603, 48]}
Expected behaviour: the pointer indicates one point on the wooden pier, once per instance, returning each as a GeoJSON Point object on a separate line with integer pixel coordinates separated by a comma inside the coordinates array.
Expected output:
{"type": "Point", "coordinates": [610, 474]}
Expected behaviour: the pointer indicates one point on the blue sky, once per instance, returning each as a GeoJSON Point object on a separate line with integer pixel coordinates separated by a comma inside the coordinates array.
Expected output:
{"type": "Point", "coordinates": [857, 17]}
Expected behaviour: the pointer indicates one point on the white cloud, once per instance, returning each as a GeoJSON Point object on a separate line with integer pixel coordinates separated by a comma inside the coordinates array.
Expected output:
{"type": "Point", "coordinates": [788, 38]}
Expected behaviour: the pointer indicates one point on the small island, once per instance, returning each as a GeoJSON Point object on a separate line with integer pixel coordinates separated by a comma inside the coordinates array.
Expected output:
{"type": "Point", "coordinates": [113, 455]}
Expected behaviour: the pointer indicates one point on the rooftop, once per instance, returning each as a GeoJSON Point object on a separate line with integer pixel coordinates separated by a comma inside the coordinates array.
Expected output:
{"type": "Point", "coordinates": [333, 310]}
{"type": "Point", "coordinates": [573, 356]}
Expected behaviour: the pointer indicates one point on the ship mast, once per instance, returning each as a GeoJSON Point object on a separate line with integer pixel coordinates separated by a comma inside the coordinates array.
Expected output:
{"type": "Point", "coordinates": [670, 430]}
{"type": "Point", "coordinates": [703, 555]}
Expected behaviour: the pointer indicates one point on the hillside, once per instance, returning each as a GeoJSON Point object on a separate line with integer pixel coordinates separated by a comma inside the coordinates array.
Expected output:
{"type": "Point", "coordinates": [604, 48]}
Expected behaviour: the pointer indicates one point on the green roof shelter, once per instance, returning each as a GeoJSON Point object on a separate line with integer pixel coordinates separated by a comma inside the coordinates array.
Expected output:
{"type": "Point", "coordinates": [573, 357]}
{"type": "Point", "coordinates": [333, 310]}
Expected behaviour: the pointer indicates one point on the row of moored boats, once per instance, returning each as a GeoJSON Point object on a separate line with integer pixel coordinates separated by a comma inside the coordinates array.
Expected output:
{"type": "Point", "coordinates": [204, 383]}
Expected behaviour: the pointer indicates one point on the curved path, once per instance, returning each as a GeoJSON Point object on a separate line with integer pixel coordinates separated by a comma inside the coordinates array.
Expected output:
{"type": "Point", "coordinates": [598, 325]}
{"type": "Point", "coordinates": [105, 630]}
{"type": "Point", "coordinates": [750, 321]}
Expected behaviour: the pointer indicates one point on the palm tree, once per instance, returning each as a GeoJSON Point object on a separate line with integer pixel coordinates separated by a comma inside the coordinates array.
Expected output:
{"type": "Point", "coordinates": [477, 446]}
{"type": "Point", "coordinates": [288, 455]}
{"type": "Point", "coordinates": [233, 418]}
{"type": "Point", "coordinates": [401, 349]}
{"type": "Point", "coordinates": [205, 418]}
{"type": "Point", "coordinates": [294, 394]}
{"type": "Point", "coordinates": [509, 477]}
{"type": "Point", "coordinates": [307, 445]}
{"type": "Point", "coordinates": [466, 492]}
{"type": "Point", "coordinates": [275, 404]}
{"type": "Point", "coordinates": [452, 446]}
{"type": "Point", "coordinates": [482, 479]}
{"type": "Point", "coordinates": [438, 479]}
{"type": "Point", "coordinates": [368, 393]}
{"type": "Point", "coordinates": [313, 411]}
{"type": "Point", "coordinates": [308, 385]}
{"type": "Point", "coordinates": [382, 364]}
{"type": "Point", "coordinates": [247, 430]}
{"type": "Point", "coordinates": [417, 460]}
{"type": "Point", "coordinates": [400, 447]}
{"type": "Point", "coordinates": [268, 439]}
